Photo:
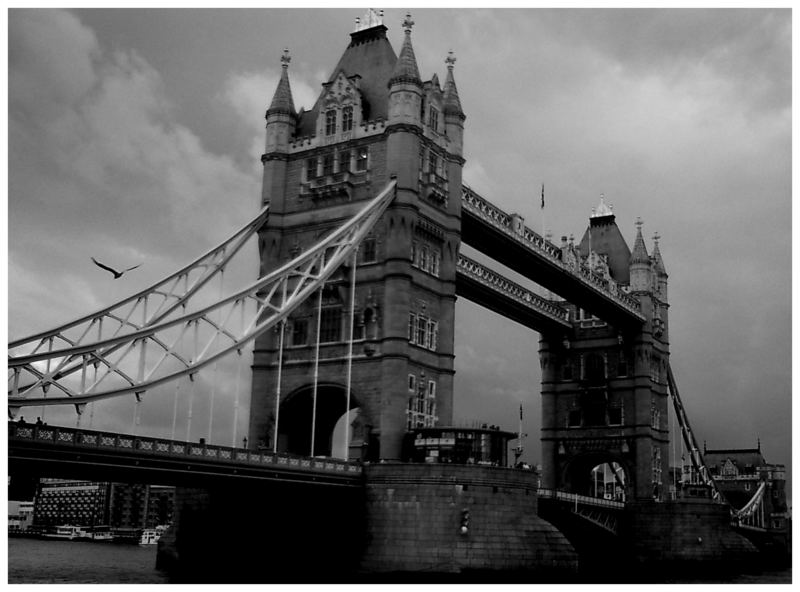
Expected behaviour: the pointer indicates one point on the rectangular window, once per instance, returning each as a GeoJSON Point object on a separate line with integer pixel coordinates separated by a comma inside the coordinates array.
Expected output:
{"type": "Point", "coordinates": [433, 119]}
{"type": "Point", "coordinates": [347, 119]}
{"type": "Point", "coordinates": [330, 329]}
{"type": "Point", "coordinates": [412, 327]}
{"type": "Point", "coordinates": [422, 326]}
{"type": "Point", "coordinates": [369, 250]}
{"type": "Point", "coordinates": [299, 331]}
{"type": "Point", "coordinates": [362, 156]}
{"type": "Point", "coordinates": [330, 122]}
{"type": "Point", "coordinates": [311, 169]}
{"type": "Point", "coordinates": [434, 263]}
{"type": "Point", "coordinates": [412, 382]}
{"type": "Point", "coordinates": [433, 162]}
{"type": "Point", "coordinates": [574, 418]}
{"type": "Point", "coordinates": [433, 335]}
{"type": "Point", "coordinates": [327, 164]}
{"type": "Point", "coordinates": [432, 389]}
{"type": "Point", "coordinates": [344, 161]}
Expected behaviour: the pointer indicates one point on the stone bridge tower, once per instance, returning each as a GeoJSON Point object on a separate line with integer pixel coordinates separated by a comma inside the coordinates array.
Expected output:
{"type": "Point", "coordinates": [374, 119]}
{"type": "Point", "coordinates": [604, 388]}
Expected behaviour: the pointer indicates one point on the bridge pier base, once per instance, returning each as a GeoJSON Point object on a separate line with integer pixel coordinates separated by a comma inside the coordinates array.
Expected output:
{"type": "Point", "coordinates": [276, 533]}
{"type": "Point", "coordinates": [686, 536]}
{"type": "Point", "coordinates": [442, 522]}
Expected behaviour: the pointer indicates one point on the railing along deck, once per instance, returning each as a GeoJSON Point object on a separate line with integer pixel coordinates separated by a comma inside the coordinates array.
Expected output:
{"type": "Point", "coordinates": [164, 448]}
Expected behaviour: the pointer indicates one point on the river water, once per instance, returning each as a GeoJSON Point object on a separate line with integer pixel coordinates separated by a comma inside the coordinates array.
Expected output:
{"type": "Point", "coordinates": [35, 561]}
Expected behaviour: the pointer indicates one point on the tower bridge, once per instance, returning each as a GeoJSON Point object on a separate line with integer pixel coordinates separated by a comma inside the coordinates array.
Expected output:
{"type": "Point", "coordinates": [363, 213]}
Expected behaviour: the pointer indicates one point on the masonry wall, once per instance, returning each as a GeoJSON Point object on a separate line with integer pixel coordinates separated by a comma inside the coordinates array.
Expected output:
{"type": "Point", "coordinates": [414, 515]}
{"type": "Point", "coordinates": [692, 532]}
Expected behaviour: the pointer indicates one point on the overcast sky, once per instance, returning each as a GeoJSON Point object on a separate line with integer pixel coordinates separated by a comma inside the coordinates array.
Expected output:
{"type": "Point", "coordinates": [135, 136]}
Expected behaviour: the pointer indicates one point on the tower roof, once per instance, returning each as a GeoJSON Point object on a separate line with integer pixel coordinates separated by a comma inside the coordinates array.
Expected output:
{"type": "Point", "coordinates": [604, 237]}
{"type": "Point", "coordinates": [639, 254]}
{"type": "Point", "coordinates": [370, 56]}
{"type": "Point", "coordinates": [452, 104]}
{"type": "Point", "coordinates": [406, 70]}
{"type": "Point", "coordinates": [282, 101]}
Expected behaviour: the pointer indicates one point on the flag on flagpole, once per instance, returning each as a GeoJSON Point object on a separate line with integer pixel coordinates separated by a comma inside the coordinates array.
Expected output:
{"type": "Point", "coordinates": [520, 411]}
{"type": "Point", "coordinates": [542, 195]}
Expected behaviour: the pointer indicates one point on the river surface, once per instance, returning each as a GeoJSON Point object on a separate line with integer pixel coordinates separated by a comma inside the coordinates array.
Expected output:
{"type": "Point", "coordinates": [35, 561]}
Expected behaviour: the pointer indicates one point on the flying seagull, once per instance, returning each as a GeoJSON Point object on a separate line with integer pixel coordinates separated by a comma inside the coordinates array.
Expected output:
{"type": "Point", "coordinates": [117, 274]}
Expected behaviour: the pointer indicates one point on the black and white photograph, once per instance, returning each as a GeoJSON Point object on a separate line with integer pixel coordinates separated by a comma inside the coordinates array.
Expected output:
{"type": "Point", "coordinates": [399, 296]}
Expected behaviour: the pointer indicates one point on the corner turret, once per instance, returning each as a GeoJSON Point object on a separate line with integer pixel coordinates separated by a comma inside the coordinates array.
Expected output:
{"type": "Point", "coordinates": [281, 117]}
{"type": "Point", "coordinates": [640, 271]}
{"type": "Point", "coordinates": [453, 113]}
{"type": "Point", "coordinates": [281, 122]}
{"type": "Point", "coordinates": [660, 271]}
{"type": "Point", "coordinates": [405, 84]}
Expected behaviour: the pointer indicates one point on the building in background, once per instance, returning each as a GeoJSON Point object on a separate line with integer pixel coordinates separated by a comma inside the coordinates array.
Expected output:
{"type": "Point", "coordinates": [118, 505]}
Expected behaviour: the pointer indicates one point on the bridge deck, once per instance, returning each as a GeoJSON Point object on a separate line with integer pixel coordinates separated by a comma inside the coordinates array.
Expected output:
{"type": "Point", "coordinates": [486, 287]}
{"type": "Point", "coordinates": [74, 451]}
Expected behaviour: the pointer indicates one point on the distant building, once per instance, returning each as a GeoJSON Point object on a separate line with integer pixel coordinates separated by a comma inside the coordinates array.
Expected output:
{"type": "Point", "coordinates": [20, 516]}
{"type": "Point", "coordinates": [739, 473]}
{"type": "Point", "coordinates": [119, 505]}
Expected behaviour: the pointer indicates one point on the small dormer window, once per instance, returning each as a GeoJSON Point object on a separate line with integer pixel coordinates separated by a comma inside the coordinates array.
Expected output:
{"type": "Point", "coordinates": [347, 119]}
{"type": "Point", "coordinates": [433, 119]}
{"type": "Point", "coordinates": [330, 122]}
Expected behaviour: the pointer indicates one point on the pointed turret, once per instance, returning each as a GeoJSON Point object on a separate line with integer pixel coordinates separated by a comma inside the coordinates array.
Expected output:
{"type": "Point", "coordinates": [406, 70]}
{"type": "Point", "coordinates": [452, 104]}
{"type": "Point", "coordinates": [453, 113]}
{"type": "Point", "coordinates": [405, 85]}
{"type": "Point", "coordinates": [640, 262]}
{"type": "Point", "coordinates": [282, 102]}
{"type": "Point", "coordinates": [281, 126]}
{"type": "Point", "coordinates": [660, 270]}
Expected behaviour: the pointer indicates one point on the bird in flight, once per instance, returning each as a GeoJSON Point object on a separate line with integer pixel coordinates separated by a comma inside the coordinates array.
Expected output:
{"type": "Point", "coordinates": [117, 274]}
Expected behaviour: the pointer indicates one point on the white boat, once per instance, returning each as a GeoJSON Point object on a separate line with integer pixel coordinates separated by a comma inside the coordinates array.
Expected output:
{"type": "Point", "coordinates": [65, 532]}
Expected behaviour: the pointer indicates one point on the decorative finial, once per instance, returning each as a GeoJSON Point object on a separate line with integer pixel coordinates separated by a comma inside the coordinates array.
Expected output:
{"type": "Point", "coordinates": [408, 23]}
{"type": "Point", "coordinates": [285, 58]}
{"type": "Point", "coordinates": [450, 60]}
{"type": "Point", "coordinates": [656, 238]}
{"type": "Point", "coordinates": [639, 224]}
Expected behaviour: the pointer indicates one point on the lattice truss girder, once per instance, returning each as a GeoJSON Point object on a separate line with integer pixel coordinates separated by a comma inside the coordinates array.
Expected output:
{"type": "Point", "coordinates": [110, 354]}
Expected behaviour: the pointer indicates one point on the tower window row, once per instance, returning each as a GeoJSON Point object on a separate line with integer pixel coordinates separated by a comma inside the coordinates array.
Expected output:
{"type": "Point", "coordinates": [331, 325]}
{"type": "Point", "coordinates": [342, 161]}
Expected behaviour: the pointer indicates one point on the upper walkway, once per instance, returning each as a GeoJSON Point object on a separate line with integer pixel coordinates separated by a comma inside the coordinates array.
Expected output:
{"type": "Point", "coordinates": [503, 237]}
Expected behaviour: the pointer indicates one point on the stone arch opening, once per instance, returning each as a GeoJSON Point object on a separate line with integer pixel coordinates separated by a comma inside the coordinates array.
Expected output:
{"type": "Point", "coordinates": [599, 475]}
{"type": "Point", "coordinates": [295, 420]}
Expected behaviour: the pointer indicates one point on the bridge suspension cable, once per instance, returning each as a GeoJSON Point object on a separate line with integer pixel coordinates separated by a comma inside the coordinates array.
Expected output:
{"type": "Point", "coordinates": [144, 357]}
{"type": "Point", "coordinates": [698, 462]}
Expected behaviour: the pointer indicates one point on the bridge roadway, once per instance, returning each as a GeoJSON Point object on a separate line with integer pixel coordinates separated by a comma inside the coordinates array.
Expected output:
{"type": "Point", "coordinates": [104, 456]}
{"type": "Point", "coordinates": [492, 231]}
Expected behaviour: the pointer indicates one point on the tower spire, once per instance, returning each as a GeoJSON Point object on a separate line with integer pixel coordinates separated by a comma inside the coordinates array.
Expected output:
{"type": "Point", "coordinates": [406, 69]}
{"type": "Point", "coordinates": [452, 104]}
{"type": "Point", "coordinates": [639, 253]}
{"type": "Point", "coordinates": [282, 101]}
